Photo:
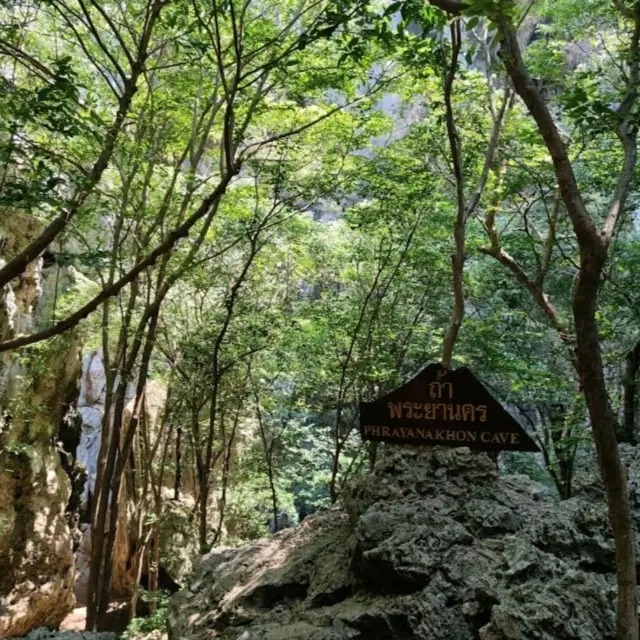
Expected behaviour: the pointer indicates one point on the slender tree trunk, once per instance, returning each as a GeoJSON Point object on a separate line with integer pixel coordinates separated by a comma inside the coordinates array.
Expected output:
{"type": "Point", "coordinates": [614, 473]}
{"type": "Point", "coordinates": [118, 464]}
{"type": "Point", "coordinates": [627, 432]}
{"type": "Point", "coordinates": [138, 564]}
{"type": "Point", "coordinates": [228, 452]}
{"type": "Point", "coordinates": [178, 477]}
{"type": "Point", "coordinates": [101, 506]}
{"type": "Point", "coordinates": [154, 565]}
{"type": "Point", "coordinates": [335, 467]}
{"type": "Point", "coordinates": [274, 500]}
{"type": "Point", "coordinates": [459, 231]}
{"type": "Point", "coordinates": [555, 423]}
{"type": "Point", "coordinates": [457, 315]}
{"type": "Point", "coordinates": [465, 205]}
{"type": "Point", "coordinates": [267, 448]}
{"type": "Point", "coordinates": [204, 512]}
{"type": "Point", "coordinates": [223, 500]}
{"type": "Point", "coordinates": [206, 466]}
{"type": "Point", "coordinates": [200, 479]}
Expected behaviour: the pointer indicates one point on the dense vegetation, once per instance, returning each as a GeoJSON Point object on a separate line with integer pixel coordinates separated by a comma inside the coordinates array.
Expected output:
{"type": "Point", "coordinates": [280, 209]}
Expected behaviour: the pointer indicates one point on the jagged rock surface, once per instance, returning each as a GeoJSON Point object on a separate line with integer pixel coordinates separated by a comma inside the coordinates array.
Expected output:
{"type": "Point", "coordinates": [435, 546]}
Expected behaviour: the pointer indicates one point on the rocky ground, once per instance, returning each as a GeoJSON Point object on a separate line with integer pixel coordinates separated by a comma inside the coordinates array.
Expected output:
{"type": "Point", "coordinates": [434, 546]}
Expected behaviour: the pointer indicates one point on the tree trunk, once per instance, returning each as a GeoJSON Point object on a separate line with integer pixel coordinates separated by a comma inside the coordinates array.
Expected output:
{"type": "Point", "coordinates": [627, 430]}
{"type": "Point", "coordinates": [101, 506]}
{"type": "Point", "coordinates": [274, 504]}
{"type": "Point", "coordinates": [335, 467]}
{"type": "Point", "coordinates": [202, 525]}
{"type": "Point", "coordinates": [560, 434]}
{"type": "Point", "coordinates": [614, 475]}
{"type": "Point", "coordinates": [138, 564]}
{"type": "Point", "coordinates": [178, 476]}
{"type": "Point", "coordinates": [267, 448]}
{"type": "Point", "coordinates": [272, 487]}
{"type": "Point", "coordinates": [119, 459]}
{"type": "Point", "coordinates": [154, 565]}
{"type": "Point", "coordinates": [373, 455]}
{"type": "Point", "coordinates": [459, 230]}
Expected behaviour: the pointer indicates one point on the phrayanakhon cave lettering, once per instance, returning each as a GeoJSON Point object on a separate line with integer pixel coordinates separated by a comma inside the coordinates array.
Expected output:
{"type": "Point", "coordinates": [443, 407]}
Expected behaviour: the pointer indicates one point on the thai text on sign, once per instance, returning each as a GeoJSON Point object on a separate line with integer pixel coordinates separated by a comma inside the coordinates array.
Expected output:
{"type": "Point", "coordinates": [444, 407]}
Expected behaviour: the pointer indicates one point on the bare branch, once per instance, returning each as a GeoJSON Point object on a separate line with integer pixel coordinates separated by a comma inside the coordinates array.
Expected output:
{"type": "Point", "coordinates": [519, 74]}
{"type": "Point", "coordinates": [539, 295]}
{"type": "Point", "coordinates": [457, 258]}
{"type": "Point", "coordinates": [114, 29]}
{"type": "Point", "coordinates": [490, 153]}
{"type": "Point", "coordinates": [550, 242]}
{"type": "Point", "coordinates": [626, 131]}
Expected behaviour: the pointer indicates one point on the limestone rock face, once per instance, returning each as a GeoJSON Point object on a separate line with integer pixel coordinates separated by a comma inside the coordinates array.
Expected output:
{"type": "Point", "coordinates": [91, 403]}
{"type": "Point", "coordinates": [434, 545]}
{"type": "Point", "coordinates": [36, 557]}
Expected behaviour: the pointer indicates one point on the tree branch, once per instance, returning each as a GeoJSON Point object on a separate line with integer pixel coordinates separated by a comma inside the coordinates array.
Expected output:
{"type": "Point", "coordinates": [523, 83]}
{"type": "Point", "coordinates": [19, 262]}
{"type": "Point", "coordinates": [626, 131]}
{"type": "Point", "coordinates": [181, 232]}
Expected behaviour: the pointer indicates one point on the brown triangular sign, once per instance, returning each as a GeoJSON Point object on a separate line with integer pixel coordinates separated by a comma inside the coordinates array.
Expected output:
{"type": "Point", "coordinates": [443, 407]}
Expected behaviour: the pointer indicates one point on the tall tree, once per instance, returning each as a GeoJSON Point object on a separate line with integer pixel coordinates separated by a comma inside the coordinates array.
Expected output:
{"type": "Point", "coordinates": [594, 242]}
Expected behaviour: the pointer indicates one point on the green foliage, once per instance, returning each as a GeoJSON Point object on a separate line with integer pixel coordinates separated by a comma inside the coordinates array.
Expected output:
{"type": "Point", "coordinates": [157, 621]}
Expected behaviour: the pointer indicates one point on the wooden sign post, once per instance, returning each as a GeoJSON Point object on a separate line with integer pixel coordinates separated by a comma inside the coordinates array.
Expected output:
{"type": "Point", "coordinates": [443, 407]}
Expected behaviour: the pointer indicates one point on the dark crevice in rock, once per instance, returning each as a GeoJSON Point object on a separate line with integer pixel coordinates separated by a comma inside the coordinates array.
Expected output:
{"type": "Point", "coordinates": [268, 596]}
{"type": "Point", "coordinates": [482, 619]}
{"type": "Point", "coordinates": [48, 259]}
{"type": "Point", "coordinates": [68, 438]}
{"type": "Point", "coordinates": [478, 612]}
{"type": "Point", "coordinates": [452, 600]}
{"type": "Point", "coordinates": [596, 566]}
{"type": "Point", "coordinates": [383, 627]}
{"type": "Point", "coordinates": [69, 432]}
{"type": "Point", "coordinates": [382, 576]}
{"type": "Point", "coordinates": [327, 599]}
{"type": "Point", "coordinates": [165, 581]}
{"type": "Point", "coordinates": [19, 468]}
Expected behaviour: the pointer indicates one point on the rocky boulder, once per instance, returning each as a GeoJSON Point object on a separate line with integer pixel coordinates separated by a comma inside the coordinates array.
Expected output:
{"type": "Point", "coordinates": [434, 545]}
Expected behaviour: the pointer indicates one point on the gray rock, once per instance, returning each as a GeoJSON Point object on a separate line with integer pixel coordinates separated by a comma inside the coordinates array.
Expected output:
{"type": "Point", "coordinates": [433, 545]}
